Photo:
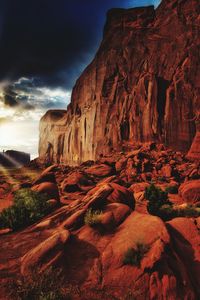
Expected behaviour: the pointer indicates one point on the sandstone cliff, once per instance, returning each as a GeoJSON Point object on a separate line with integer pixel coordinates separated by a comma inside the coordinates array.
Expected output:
{"type": "Point", "coordinates": [143, 85]}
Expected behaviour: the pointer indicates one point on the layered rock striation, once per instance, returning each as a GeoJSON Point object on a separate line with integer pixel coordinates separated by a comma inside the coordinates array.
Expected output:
{"type": "Point", "coordinates": [143, 85]}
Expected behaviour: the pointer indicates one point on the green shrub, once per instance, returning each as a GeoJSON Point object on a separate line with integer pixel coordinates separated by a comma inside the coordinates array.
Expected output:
{"type": "Point", "coordinates": [92, 217]}
{"type": "Point", "coordinates": [134, 256]}
{"type": "Point", "coordinates": [167, 212]}
{"type": "Point", "coordinates": [173, 189]}
{"type": "Point", "coordinates": [28, 207]}
{"type": "Point", "coordinates": [189, 211]}
{"type": "Point", "coordinates": [156, 198]}
{"type": "Point", "coordinates": [43, 286]}
{"type": "Point", "coordinates": [162, 179]}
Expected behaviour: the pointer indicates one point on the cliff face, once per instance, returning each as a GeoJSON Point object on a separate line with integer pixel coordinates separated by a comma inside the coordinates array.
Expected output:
{"type": "Point", "coordinates": [143, 85]}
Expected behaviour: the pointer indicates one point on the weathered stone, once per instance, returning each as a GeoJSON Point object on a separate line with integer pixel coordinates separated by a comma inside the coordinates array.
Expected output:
{"type": "Point", "coordinates": [121, 194]}
{"type": "Point", "coordinates": [97, 197]}
{"type": "Point", "coordinates": [190, 191]}
{"type": "Point", "coordinates": [48, 188]}
{"type": "Point", "coordinates": [45, 254]}
{"type": "Point", "coordinates": [45, 177]}
{"type": "Point", "coordinates": [101, 170]}
{"type": "Point", "coordinates": [75, 182]}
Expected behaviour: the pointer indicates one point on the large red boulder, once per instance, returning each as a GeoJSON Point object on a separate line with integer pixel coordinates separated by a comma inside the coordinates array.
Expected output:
{"type": "Point", "coordinates": [48, 188]}
{"type": "Point", "coordinates": [190, 191]}
{"type": "Point", "coordinates": [46, 253]}
{"type": "Point", "coordinates": [120, 212]}
{"type": "Point", "coordinates": [186, 241]}
{"type": "Point", "coordinates": [121, 194]}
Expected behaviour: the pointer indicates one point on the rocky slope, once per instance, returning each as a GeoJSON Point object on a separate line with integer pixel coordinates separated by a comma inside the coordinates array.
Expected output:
{"type": "Point", "coordinates": [92, 256]}
{"type": "Point", "coordinates": [143, 85]}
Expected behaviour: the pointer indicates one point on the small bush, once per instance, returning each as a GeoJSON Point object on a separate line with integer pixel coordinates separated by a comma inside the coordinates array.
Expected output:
{"type": "Point", "coordinates": [189, 211]}
{"type": "Point", "coordinates": [42, 286]}
{"type": "Point", "coordinates": [156, 198]}
{"type": "Point", "coordinates": [162, 179]}
{"type": "Point", "coordinates": [28, 207]}
{"type": "Point", "coordinates": [173, 189]}
{"type": "Point", "coordinates": [134, 256]}
{"type": "Point", "coordinates": [92, 217]}
{"type": "Point", "coordinates": [168, 212]}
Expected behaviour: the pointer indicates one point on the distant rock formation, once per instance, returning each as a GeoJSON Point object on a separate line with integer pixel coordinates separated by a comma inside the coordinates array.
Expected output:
{"type": "Point", "coordinates": [143, 85]}
{"type": "Point", "coordinates": [14, 159]}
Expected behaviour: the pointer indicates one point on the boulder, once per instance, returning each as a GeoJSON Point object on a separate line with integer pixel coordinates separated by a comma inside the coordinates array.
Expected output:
{"type": "Point", "coordinates": [186, 239]}
{"type": "Point", "coordinates": [75, 182]}
{"type": "Point", "coordinates": [106, 221]}
{"type": "Point", "coordinates": [190, 191]}
{"type": "Point", "coordinates": [119, 211]}
{"type": "Point", "coordinates": [45, 254]}
{"type": "Point", "coordinates": [137, 228]}
{"type": "Point", "coordinates": [48, 188]}
{"type": "Point", "coordinates": [97, 197]}
{"type": "Point", "coordinates": [75, 220]}
{"type": "Point", "coordinates": [45, 177]}
{"type": "Point", "coordinates": [101, 170]}
{"type": "Point", "coordinates": [121, 194]}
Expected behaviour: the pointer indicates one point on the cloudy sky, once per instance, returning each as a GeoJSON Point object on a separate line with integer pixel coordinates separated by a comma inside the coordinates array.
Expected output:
{"type": "Point", "coordinates": [44, 47]}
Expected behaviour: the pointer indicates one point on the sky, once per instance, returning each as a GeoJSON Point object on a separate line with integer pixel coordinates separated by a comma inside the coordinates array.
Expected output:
{"type": "Point", "coordinates": [44, 47]}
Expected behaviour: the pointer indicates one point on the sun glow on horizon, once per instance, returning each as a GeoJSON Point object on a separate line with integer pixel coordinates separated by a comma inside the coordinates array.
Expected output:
{"type": "Point", "coordinates": [20, 116]}
{"type": "Point", "coordinates": [22, 136]}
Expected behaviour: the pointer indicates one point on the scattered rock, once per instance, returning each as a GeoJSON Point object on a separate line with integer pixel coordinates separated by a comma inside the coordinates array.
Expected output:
{"type": "Point", "coordinates": [139, 187]}
{"type": "Point", "coordinates": [166, 171]}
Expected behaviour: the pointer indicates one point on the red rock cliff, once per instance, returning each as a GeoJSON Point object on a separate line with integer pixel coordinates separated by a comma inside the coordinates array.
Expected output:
{"type": "Point", "coordinates": [143, 85]}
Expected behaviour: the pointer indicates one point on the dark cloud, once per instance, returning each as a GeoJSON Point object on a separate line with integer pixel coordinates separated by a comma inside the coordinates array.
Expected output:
{"type": "Point", "coordinates": [29, 94]}
{"type": "Point", "coordinates": [50, 39]}
{"type": "Point", "coordinates": [9, 97]}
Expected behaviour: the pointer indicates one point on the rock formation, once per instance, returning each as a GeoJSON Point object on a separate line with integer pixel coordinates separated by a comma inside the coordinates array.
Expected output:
{"type": "Point", "coordinates": [142, 85]}
{"type": "Point", "coordinates": [101, 235]}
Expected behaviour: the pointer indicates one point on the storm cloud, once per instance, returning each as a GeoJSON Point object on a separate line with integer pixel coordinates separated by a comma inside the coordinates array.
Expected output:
{"type": "Point", "coordinates": [52, 40]}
